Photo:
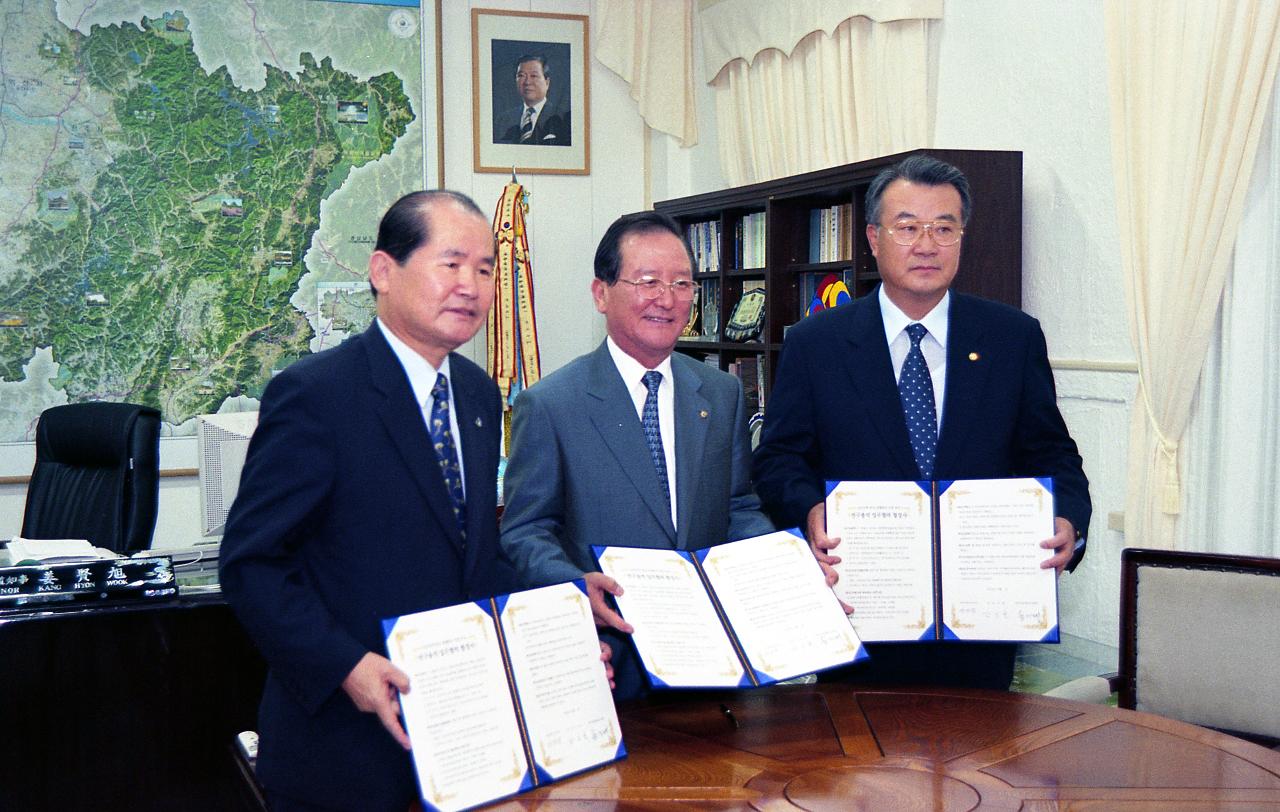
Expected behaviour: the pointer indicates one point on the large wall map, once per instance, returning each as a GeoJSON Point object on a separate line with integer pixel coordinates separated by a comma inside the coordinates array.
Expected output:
{"type": "Point", "coordinates": [189, 192]}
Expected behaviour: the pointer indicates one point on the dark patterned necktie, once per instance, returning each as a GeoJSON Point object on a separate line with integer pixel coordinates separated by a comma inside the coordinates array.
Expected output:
{"type": "Point", "coordinates": [915, 388]}
{"type": "Point", "coordinates": [446, 451]}
{"type": "Point", "coordinates": [653, 435]}
{"type": "Point", "coordinates": [526, 126]}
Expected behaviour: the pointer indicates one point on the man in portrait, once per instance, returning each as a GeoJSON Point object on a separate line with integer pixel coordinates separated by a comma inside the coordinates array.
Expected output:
{"type": "Point", "coordinates": [539, 119]}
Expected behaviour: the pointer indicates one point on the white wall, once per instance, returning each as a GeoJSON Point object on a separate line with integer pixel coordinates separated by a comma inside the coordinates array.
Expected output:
{"type": "Point", "coordinates": [1009, 77]}
{"type": "Point", "coordinates": [1034, 78]}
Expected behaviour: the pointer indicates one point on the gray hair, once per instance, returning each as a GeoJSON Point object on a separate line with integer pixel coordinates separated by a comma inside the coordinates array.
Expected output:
{"type": "Point", "coordinates": [924, 170]}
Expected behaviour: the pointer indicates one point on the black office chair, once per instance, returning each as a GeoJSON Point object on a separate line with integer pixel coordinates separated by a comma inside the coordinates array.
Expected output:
{"type": "Point", "coordinates": [96, 475]}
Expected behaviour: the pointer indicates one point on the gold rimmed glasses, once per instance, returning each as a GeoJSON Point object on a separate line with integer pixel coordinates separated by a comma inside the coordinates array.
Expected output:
{"type": "Point", "coordinates": [650, 288]}
{"type": "Point", "coordinates": [907, 232]}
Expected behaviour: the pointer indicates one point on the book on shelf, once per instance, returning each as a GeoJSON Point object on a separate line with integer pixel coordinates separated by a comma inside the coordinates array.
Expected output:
{"type": "Point", "coordinates": [946, 560]}
{"type": "Point", "coordinates": [762, 381]}
{"type": "Point", "coordinates": [831, 233]}
{"type": "Point", "coordinates": [741, 614]}
{"type": "Point", "coordinates": [749, 241]}
{"type": "Point", "coordinates": [737, 243]}
{"type": "Point", "coordinates": [704, 240]}
{"type": "Point", "coordinates": [847, 232]}
{"type": "Point", "coordinates": [748, 370]}
{"type": "Point", "coordinates": [506, 694]}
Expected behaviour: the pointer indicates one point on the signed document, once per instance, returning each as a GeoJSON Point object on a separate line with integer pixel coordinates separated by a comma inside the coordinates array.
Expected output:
{"type": "Point", "coordinates": [747, 613]}
{"type": "Point", "coordinates": [946, 560]}
{"type": "Point", "coordinates": [678, 632]}
{"type": "Point", "coordinates": [505, 694]}
{"type": "Point", "coordinates": [886, 557]}
{"type": "Point", "coordinates": [989, 534]}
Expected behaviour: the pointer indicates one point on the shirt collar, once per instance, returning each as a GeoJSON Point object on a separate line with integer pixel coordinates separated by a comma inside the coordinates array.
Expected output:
{"type": "Point", "coordinates": [935, 321]}
{"type": "Point", "coordinates": [631, 370]}
{"type": "Point", "coordinates": [537, 108]}
{"type": "Point", "coordinates": [422, 375]}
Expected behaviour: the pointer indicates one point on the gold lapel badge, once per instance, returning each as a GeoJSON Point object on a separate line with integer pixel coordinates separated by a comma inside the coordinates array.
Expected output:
{"type": "Point", "coordinates": [703, 414]}
{"type": "Point", "coordinates": [973, 356]}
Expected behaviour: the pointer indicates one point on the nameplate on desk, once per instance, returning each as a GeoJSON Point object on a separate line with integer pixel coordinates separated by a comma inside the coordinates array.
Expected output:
{"type": "Point", "coordinates": [47, 586]}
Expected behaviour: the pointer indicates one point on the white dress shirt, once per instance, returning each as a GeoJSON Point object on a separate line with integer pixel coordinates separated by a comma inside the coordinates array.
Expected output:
{"type": "Point", "coordinates": [933, 346]}
{"type": "Point", "coordinates": [422, 379]}
{"type": "Point", "coordinates": [632, 372]}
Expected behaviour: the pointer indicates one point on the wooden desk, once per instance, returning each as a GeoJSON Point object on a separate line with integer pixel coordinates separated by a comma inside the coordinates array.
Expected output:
{"type": "Point", "coordinates": [836, 747]}
{"type": "Point", "coordinates": [125, 706]}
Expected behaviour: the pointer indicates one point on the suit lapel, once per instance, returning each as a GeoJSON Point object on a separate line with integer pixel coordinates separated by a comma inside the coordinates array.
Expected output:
{"type": "Point", "coordinates": [967, 367]}
{"type": "Point", "coordinates": [401, 415]}
{"type": "Point", "coordinates": [693, 415]}
{"type": "Point", "coordinates": [872, 379]}
{"type": "Point", "coordinates": [611, 411]}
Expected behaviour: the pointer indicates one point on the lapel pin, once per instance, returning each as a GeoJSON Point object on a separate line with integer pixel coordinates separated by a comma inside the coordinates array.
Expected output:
{"type": "Point", "coordinates": [973, 356]}
{"type": "Point", "coordinates": [480, 423]}
{"type": "Point", "coordinates": [703, 414]}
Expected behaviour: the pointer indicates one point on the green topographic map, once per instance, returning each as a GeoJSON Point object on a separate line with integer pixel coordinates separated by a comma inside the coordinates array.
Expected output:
{"type": "Point", "coordinates": [189, 194]}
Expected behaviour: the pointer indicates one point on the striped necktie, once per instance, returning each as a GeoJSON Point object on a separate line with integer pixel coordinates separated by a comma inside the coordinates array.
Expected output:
{"type": "Point", "coordinates": [526, 124]}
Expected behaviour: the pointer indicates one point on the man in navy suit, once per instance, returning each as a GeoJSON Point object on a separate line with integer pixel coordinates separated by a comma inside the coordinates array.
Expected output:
{"type": "Point", "coordinates": [630, 444]}
{"type": "Point", "coordinates": [347, 514]}
{"type": "Point", "coordinates": [538, 121]}
{"type": "Point", "coordinates": [837, 413]}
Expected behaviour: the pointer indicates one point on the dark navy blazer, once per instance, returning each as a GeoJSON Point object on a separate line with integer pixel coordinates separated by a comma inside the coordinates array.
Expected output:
{"type": "Point", "coordinates": [835, 414]}
{"type": "Point", "coordinates": [342, 520]}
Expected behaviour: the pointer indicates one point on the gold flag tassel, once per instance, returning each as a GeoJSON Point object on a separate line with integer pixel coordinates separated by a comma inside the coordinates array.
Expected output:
{"type": "Point", "coordinates": [513, 359]}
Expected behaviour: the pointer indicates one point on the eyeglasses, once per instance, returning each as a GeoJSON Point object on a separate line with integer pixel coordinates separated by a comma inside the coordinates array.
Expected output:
{"type": "Point", "coordinates": [650, 288]}
{"type": "Point", "coordinates": [908, 232]}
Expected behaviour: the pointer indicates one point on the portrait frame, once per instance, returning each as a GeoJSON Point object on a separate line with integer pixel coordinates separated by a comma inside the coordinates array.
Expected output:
{"type": "Point", "coordinates": [559, 143]}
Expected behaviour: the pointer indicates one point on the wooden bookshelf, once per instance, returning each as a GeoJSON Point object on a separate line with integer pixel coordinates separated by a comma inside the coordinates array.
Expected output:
{"type": "Point", "coordinates": [990, 262]}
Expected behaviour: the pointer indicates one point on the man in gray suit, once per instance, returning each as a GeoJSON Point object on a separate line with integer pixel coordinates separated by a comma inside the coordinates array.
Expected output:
{"type": "Point", "coordinates": [630, 444]}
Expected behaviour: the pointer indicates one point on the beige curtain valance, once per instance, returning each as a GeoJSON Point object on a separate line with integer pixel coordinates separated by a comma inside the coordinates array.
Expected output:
{"type": "Point", "coordinates": [741, 29]}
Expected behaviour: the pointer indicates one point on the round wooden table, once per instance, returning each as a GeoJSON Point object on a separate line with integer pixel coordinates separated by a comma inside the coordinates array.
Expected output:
{"type": "Point", "coordinates": [840, 747]}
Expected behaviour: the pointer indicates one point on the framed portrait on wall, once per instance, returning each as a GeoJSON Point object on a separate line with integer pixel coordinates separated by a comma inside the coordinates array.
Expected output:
{"type": "Point", "coordinates": [529, 108]}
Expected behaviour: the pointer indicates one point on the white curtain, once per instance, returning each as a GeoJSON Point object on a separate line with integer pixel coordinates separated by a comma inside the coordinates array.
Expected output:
{"type": "Point", "coordinates": [1189, 86]}
{"type": "Point", "coordinates": [1233, 438]}
{"type": "Point", "coordinates": [649, 43]}
{"type": "Point", "coordinates": [829, 88]}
